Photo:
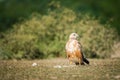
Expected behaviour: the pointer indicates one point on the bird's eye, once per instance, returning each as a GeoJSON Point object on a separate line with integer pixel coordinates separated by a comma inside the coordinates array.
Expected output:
{"type": "Point", "coordinates": [73, 34]}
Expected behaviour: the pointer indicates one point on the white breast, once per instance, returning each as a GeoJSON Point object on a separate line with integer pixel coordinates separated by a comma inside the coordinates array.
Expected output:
{"type": "Point", "coordinates": [70, 46]}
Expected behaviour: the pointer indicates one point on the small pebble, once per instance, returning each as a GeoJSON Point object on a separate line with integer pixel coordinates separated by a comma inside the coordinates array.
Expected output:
{"type": "Point", "coordinates": [57, 66]}
{"type": "Point", "coordinates": [34, 64]}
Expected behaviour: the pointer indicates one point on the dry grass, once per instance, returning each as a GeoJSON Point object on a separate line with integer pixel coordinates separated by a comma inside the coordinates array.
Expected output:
{"type": "Point", "coordinates": [99, 69]}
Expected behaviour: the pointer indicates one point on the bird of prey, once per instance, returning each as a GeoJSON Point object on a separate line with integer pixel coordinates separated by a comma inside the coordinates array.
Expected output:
{"type": "Point", "coordinates": [74, 50]}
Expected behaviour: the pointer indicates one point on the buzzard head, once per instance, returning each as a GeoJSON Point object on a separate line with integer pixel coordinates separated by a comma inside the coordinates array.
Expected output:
{"type": "Point", "coordinates": [74, 36]}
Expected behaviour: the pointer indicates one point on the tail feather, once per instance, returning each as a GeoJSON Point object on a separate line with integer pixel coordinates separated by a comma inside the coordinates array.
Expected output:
{"type": "Point", "coordinates": [85, 60]}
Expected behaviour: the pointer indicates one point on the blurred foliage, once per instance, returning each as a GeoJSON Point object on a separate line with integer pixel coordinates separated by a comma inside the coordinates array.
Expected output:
{"type": "Point", "coordinates": [12, 11]}
{"type": "Point", "coordinates": [39, 29]}
{"type": "Point", "coordinates": [45, 36]}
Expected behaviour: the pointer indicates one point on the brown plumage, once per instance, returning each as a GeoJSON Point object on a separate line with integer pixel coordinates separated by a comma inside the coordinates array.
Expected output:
{"type": "Point", "coordinates": [74, 50]}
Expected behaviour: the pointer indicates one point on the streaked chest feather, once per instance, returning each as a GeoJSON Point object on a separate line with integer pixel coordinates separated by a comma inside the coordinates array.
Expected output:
{"type": "Point", "coordinates": [72, 46]}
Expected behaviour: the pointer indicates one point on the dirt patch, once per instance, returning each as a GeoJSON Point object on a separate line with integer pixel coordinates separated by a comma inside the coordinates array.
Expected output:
{"type": "Point", "coordinates": [59, 69]}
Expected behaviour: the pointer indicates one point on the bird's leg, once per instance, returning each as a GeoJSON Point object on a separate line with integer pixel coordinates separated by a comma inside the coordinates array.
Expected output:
{"type": "Point", "coordinates": [81, 61]}
{"type": "Point", "coordinates": [70, 62]}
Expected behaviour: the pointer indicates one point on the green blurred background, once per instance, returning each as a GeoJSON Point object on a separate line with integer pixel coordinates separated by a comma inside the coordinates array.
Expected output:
{"type": "Point", "coordinates": [40, 28]}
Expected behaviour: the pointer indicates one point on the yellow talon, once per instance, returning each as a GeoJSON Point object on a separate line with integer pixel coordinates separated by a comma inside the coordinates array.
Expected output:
{"type": "Point", "coordinates": [70, 62]}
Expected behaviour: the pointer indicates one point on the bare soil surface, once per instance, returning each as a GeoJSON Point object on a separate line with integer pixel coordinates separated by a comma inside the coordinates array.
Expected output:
{"type": "Point", "coordinates": [59, 69]}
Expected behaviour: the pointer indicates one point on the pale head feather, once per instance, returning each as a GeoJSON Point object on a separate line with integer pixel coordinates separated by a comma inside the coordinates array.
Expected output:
{"type": "Point", "coordinates": [73, 36]}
